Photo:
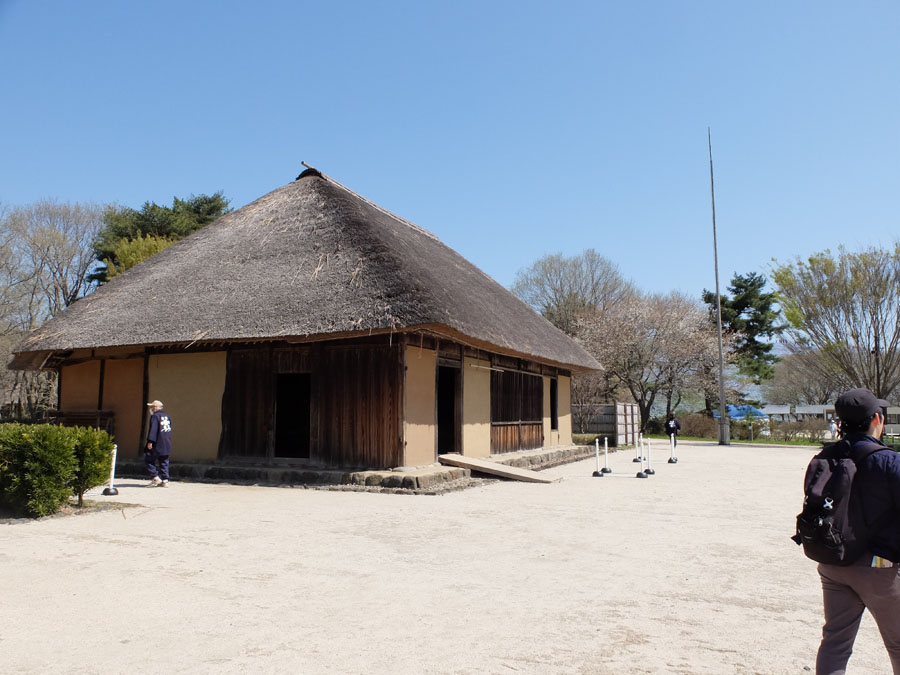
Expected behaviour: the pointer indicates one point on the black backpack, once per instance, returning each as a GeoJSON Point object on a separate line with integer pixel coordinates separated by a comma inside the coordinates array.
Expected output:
{"type": "Point", "coordinates": [832, 528]}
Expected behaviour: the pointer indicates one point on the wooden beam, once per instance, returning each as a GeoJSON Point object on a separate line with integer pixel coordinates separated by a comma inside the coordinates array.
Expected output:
{"type": "Point", "coordinates": [495, 468]}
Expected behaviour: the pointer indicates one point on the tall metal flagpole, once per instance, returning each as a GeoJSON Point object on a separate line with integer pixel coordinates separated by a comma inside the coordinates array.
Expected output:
{"type": "Point", "coordinates": [724, 429]}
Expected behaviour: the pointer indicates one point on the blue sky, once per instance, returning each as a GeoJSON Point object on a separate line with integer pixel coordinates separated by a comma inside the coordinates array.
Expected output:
{"type": "Point", "coordinates": [509, 129]}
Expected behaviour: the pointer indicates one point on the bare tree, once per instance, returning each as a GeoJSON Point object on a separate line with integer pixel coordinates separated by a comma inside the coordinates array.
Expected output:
{"type": "Point", "coordinates": [656, 345]}
{"type": "Point", "coordinates": [845, 309]}
{"type": "Point", "coordinates": [45, 261]}
{"type": "Point", "coordinates": [561, 288]}
{"type": "Point", "coordinates": [804, 378]}
{"type": "Point", "coordinates": [53, 243]}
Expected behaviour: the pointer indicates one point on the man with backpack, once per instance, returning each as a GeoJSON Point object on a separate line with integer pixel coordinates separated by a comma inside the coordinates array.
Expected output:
{"type": "Point", "coordinates": [856, 485]}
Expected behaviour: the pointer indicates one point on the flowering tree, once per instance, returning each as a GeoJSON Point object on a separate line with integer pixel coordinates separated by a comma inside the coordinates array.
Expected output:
{"type": "Point", "coordinates": [655, 346]}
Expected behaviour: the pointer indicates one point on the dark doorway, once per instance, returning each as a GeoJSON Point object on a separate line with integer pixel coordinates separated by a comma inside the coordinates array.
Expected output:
{"type": "Point", "coordinates": [292, 403]}
{"type": "Point", "coordinates": [448, 417]}
{"type": "Point", "coordinates": [554, 404]}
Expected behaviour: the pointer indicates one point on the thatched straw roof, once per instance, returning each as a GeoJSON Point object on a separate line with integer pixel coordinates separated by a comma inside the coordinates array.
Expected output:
{"type": "Point", "coordinates": [310, 260]}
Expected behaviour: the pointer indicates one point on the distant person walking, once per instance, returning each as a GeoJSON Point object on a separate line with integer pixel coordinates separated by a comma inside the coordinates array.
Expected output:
{"type": "Point", "coordinates": [834, 428]}
{"type": "Point", "coordinates": [873, 581]}
{"type": "Point", "coordinates": [673, 426]}
{"type": "Point", "coordinates": [159, 445]}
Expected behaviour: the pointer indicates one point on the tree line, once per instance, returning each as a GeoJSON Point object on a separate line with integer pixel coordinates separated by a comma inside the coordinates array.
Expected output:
{"type": "Point", "coordinates": [835, 316]}
{"type": "Point", "coordinates": [52, 254]}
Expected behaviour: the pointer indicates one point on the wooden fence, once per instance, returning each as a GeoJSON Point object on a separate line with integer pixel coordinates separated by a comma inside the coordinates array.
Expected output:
{"type": "Point", "coordinates": [619, 422]}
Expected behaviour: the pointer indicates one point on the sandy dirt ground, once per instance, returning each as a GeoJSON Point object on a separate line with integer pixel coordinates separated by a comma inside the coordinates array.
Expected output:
{"type": "Point", "coordinates": [689, 571]}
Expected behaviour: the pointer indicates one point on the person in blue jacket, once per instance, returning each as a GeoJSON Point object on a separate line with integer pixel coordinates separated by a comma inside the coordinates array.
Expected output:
{"type": "Point", "coordinates": [159, 445]}
{"type": "Point", "coordinates": [673, 426]}
{"type": "Point", "coordinates": [873, 581]}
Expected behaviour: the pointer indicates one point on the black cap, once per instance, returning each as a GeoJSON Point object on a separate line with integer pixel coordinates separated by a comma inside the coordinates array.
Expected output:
{"type": "Point", "coordinates": [858, 406]}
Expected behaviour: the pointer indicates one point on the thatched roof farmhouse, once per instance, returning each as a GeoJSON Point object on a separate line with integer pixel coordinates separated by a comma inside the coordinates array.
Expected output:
{"type": "Point", "coordinates": [314, 326]}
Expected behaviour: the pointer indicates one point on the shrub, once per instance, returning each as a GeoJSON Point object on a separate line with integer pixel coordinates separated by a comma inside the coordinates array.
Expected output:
{"type": "Point", "coordinates": [815, 429]}
{"type": "Point", "coordinates": [37, 470]}
{"type": "Point", "coordinates": [812, 429]}
{"type": "Point", "coordinates": [5, 430]}
{"type": "Point", "coordinates": [786, 431]}
{"type": "Point", "coordinates": [748, 429]}
{"type": "Point", "coordinates": [655, 425]}
{"type": "Point", "coordinates": [700, 425]}
{"type": "Point", "coordinates": [93, 457]}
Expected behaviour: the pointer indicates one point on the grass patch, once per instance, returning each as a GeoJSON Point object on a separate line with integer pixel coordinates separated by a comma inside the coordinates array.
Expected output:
{"type": "Point", "coordinates": [766, 441]}
{"type": "Point", "coordinates": [588, 439]}
{"type": "Point", "coordinates": [755, 441]}
{"type": "Point", "coordinates": [664, 437]}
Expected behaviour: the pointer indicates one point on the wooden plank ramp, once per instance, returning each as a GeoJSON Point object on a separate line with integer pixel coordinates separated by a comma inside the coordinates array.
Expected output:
{"type": "Point", "coordinates": [495, 468]}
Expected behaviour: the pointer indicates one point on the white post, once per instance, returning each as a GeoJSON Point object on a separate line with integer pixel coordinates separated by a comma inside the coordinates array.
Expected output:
{"type": "Point", "coordinates": [597, 473]}
{"type": "Point", "coordinates": [642, 473]}
{"type": "Point", "coordinates": [111, 489]}
{"type": "Point", "coordinates": [639, 450]}
{"type": "Point", "coordinates": [672, 458]}
{"type": "Point", "coordinates": [606, 468]}
{"type": "Point", "coordinates": [650, 470]}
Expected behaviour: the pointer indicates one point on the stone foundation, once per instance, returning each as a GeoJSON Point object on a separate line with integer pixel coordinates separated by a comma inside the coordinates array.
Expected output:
{"type": "Point", "coordinates": [429, 479]}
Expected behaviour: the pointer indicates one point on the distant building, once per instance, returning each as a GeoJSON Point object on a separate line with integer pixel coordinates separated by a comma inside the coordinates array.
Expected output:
{"type": "Point", "coordinates": [778, 413]}
{"type": "Point", "coordinates": [892, 423]}
{"type": "Point", "coordinates": [823, 411]}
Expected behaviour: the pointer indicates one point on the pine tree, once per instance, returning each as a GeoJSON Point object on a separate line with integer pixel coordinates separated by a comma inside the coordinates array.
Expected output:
{"type": "Point", "coordinates": [751, 316]}
{"type": "Point", "coordinates": [159, 223]}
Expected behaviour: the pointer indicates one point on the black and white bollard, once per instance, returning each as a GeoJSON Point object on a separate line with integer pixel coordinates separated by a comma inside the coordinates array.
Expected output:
{"type": "Point", "coordinates": [606, 468]}
{"type": "Point", "coordinates": [650, 471]}
{"type": "Point", "coordinates": [598, 473]}
{"type": "Point", "coordinates": [111, 491]}
{"type": "Point", "coordinates": [672, 458]}
{"type": "Point", "coordinates": [638, 449]}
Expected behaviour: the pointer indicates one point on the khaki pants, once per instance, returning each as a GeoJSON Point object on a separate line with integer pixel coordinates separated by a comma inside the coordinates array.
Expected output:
{"type": "Point", "coordinates": [848, 592]}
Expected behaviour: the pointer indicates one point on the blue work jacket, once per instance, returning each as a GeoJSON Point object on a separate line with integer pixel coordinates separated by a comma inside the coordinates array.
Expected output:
{"type": "Point", "coordinates": [160, 434]}
{"type": "Point", "coordinates": [877, 484]}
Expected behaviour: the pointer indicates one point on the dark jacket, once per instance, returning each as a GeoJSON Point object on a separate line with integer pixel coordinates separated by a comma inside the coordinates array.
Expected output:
{"type": "Point", "coordinates": [673, 426]}
{"type": "Point", "coordinates": [878, 481]}
{"type": "Point", "coordinates": [160, 434]}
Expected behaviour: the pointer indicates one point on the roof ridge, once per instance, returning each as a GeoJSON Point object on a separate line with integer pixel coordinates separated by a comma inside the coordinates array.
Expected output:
{"type": "Point", "coordinates": [401, 219]}
{"type": "Point", "coordinates": [383, 210]}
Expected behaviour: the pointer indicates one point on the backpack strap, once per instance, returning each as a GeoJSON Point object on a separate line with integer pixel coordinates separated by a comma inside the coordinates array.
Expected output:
{"type": "Point", "coordinates": [838, 450]}
{"type": "Point", "coordinates": [859, 452]}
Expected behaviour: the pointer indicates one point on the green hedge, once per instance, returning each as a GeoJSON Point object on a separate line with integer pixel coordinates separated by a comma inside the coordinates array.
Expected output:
{"type": "Point", "coordinates": [42, 466]}
{"type": "Point", "coordinates": [93, 459]}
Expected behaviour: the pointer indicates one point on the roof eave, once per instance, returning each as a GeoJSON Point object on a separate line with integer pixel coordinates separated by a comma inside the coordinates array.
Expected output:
{"type": "Point", "coordinates": [38, 359]}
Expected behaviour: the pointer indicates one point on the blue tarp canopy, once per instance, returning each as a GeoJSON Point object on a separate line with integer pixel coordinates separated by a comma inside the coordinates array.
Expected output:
{"type": "Point", "coordinates": [739, 412]}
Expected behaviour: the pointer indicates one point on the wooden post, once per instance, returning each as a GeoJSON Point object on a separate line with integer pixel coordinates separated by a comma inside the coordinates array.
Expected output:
{"type": "Point", "coordinates": [145, 392]}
